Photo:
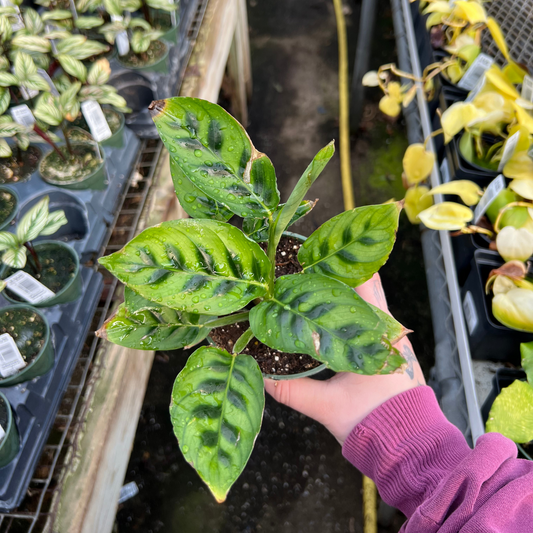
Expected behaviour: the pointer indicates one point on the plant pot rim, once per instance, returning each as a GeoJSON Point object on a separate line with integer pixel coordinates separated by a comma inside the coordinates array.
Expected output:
{"type": "Point", "coordinates": [10, 420]}
{"type": "Point", "coordinates": [148, 65]}
{"type": "Point", "coordinates": [13, 214]}
{"type": "Point", "coordinates": [72, 182]}
{"type": "Point", "coordinates": [120, 128]}
{"type": "Point", "coordinates": [282, 377]}
{"type": "Point", "coordinates": [41, 351]}
{"type": "Point", "coordinates": [73, 253]}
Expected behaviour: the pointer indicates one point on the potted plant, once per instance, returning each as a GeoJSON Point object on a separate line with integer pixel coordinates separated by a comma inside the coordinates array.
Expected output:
{"type": "Point", "coordinates": [8, 206]}
{"type": "Point", "coordinates": [186, 277]}
{"type": "Point", "coordinates": [31, 332]}
{"type": "Point", "coordinates": [53, 263]}
{"type": "Point", "coordinates": [9, 439]}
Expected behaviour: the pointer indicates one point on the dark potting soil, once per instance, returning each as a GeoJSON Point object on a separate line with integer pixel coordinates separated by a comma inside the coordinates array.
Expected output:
{"type": "Point", "coordinates": [58, 267]}
{"type": "Point", "coordinates": [14, 170]}
{"type": "Point", "coordinates": [7, 205]}
{"type": "Point", "coordinates": [270, 361]}
{"type": "Point", "coordinates": [76, 166]}
{"type": "Point", "coordinates": [155, 52]}
{"type": "Point", "coordinates": [3, 415]}
{"type": "Point", "coordinates": [27, 328]}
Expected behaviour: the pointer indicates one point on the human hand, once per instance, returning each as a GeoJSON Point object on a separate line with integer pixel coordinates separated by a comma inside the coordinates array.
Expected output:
{"type": "Point", "coordinates": [343, 401]}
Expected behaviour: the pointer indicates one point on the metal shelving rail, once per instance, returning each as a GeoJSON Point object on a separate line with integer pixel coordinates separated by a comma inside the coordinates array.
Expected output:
{"type": "Point", "coordinates": [454, 375]}
{"type": "Point", "coordinates": [37, 508]}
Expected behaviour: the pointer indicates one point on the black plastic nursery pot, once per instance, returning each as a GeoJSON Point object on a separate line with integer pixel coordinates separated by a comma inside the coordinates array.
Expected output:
{"type": "Point", "coordinates": [117, 138]}
{"type": "Point", "coordinates": [30, 325]}
{"type": "Point", "coordinates": [160, 65]}
{"type": "Point", "coordinates": [48, 251]}
{"type": "Point", "coordinates": [503, 378]}
{"type": "Point", "coordinates": [319, 372]}
{"type": "Point", "coordinates": [13, 170]}
{"type": "Point", "coordinates": [9, 202]}
{"type": "Point", "coordinates": [488, 338]}
{"type": "Point", "coordinates": [464, 247]}
{"type": "Point", "coordinates": [10, 444]}
{"type": "Point", "coordinates": [51, 170]}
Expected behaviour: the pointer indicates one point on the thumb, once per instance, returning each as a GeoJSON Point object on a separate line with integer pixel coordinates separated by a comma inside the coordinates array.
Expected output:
{"type": "Point", "coordinates": [304, 394]}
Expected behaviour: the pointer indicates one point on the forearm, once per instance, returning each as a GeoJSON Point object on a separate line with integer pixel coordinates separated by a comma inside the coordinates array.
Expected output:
{"type": "Point", "coordinates": [423, 466]}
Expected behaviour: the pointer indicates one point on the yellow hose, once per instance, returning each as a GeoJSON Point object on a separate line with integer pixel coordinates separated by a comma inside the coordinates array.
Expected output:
{"type": "Point", "coordinates": [369, 488]}
{"type": "Point", "coordinates": [344, 110]}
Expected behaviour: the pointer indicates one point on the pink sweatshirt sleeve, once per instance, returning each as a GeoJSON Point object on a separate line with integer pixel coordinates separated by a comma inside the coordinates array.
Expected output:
{"type": "Point", "coordinates": [423, 466]}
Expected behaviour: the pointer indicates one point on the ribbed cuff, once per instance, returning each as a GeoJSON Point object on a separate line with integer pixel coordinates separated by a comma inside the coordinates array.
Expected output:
{"type": "Point", "coordinates": [407, 447]}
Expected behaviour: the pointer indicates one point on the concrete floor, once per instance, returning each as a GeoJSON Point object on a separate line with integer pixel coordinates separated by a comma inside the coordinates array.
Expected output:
{"type": "Point", "coordinates": [297, 479]}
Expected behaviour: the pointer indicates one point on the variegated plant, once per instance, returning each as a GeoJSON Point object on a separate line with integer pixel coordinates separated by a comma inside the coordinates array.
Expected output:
{"type": "Point", "coordinates": [36, 222]}
{"type": "Point", "coordinates": [187, 276]}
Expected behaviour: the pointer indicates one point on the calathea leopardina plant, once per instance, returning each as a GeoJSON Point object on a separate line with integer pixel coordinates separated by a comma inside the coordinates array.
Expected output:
{"type": "Point", "coordinates": [187, 276]}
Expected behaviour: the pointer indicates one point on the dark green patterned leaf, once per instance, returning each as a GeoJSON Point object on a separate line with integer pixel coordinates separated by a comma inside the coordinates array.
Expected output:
{"type": "Point", "coordinates": [352, 246]}
{"type": "Point", "coordinates": [216, 411]}
{"type": "Point", "coordinates": [258, 228]}
{"type": "Point", "coordinates": [154, 329]}
{"type": "Point", "coordinates": [326, 319]}
{"type": "Point", "coordinates": [215, 153]}
{"type": "Point", "coordinates": [193, 200]}
{"type": "Point", "coordinates": [200, 266]}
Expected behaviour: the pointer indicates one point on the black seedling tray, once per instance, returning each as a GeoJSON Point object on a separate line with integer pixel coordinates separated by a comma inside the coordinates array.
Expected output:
{"type": "Point", "coordinates": [489, 339]}
{"type": "Point", "coordinates": [36, 402]}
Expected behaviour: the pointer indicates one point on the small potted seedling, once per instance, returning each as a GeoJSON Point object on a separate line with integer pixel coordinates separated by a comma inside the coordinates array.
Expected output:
{"type": "Point", "coordinates": [54, 264]}
{"type": "Point", "coordinates": [187, 277]}
{"type": "Point", "coordinates": [162, 15]}
{"type": "Point", "coordinates": [27, 350]}
{"type": "Point", "coordinates": [9, 436]}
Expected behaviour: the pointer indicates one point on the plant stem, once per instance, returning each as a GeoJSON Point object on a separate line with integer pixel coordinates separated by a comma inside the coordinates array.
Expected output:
{"type": "Point", "coordinates": [33, 253]}
{"type": "Point", "coordinates": [65, 134]}
{"type": "Point", "coordinates": [146, 13]}
{"type": "Point", "coordinates": [227, 320]}
{"type": "Point", "coordinates": [271, 254]}
{"type": "Point", "coordinates": [45, 137]}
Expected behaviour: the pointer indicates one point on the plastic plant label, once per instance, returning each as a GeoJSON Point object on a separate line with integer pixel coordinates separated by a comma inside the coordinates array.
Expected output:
{"type": "Point", "coordinates": [22, 115]}
{"type": "Point", "coordinates": [10, 359]}
{"type": "Point", "coordinates": [495, 187]}
{"type": "Point", "coordinates": [95, 118]}
{"type": "Point", "coordinates": [48, 80]}
{"type": "Point", "coordinates": [19, 24]}
{"type": "Point", "coordinates": [128, 491]}
{"type": "Point", "coordinates": [445, 171]}
{"type": "Point", "coordinates": [49, 28]}
{"type": "Point", "coordinates": [27, 287]}
{"type": "Point", "coordinates": [73, 9]}
{"type": "Point", "coordinates": [121, 40]}
{"type": "Point", "coordinates": [476, 90]}
{"type": "Point", "coordinates": [470, 312]}
{"type": "Point", "coordinates": [2, 433]}
{"type": "Point", "coordinates": [475, 71]}
{"type": "Point", "coordinates": [27, 94]}
{"type": "Point", "coordinates": [527, 88]}
{"type": "Point", "coordinates": [173, 18]}
{"type": "Point", "coordinates": [510, 147]}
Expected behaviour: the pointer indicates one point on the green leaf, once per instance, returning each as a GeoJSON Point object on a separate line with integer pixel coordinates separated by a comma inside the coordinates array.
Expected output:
{"type": "Point", "coordinates": [307, 179]}
{"type": "Point", "coordinates": [164, 5]}
{"type": "Point", "coordinates": [48, 112]}
{"type": "Point", "coordinates": [23, 141]}
{"type": "Point", "coordinates": [200, 266]}
{"type": "Point", "coordinates": [216, 154]}
{"type": "Point", "coordinates": [329, 321]}
{"type": "Point", "coordinates": [154, 329]}
{"type": "Point", "coordinates": [258, 228]}
{"type": "Point", "coordinates": [7, 79]}
{"type": "Point", "coordinates": [5, 99]}
{"type": "Point", "coordinates": [73, 67]}
{"type": "Point", "coordinates": [140, 23]}
{"type": "Point", "coordinates": [8, 129]}
{"type": "Point", "coordinates": [243, 341]}
{"type": "Point", "coordinates": [55, 220]}
{"type": "Point", "coordinates": [31, 43]}
{"type": "Point", "coordinates": [140, 42]}
{"type": "Point", "coordinates": [352, 246]}
{"type": "Point", "coordinates": [15, 257]}
{"type": "Point", "coordinates": [511, 413]}
{"type": "Point", "coordinates": [5, 150]}
{"type": "Point", "coordinates": [57, 14]}
{"type": "Point", "coordinates": [33, 21]}
{"type": "Point", "coordinates": [89, 49]}
{"type": "Point", "coordinates": [99, 72]}
{"type": "Point", "coordinates": [68, 99]}
{"type": "Point", "coordinates": [7, 240]}
{"type": "Point", "coordinates": [37, 83]}
{"type": "Point", "coordinates": [526, 351]}
{"type": "Point", "coordinates": [196, 203]}
{"type": "Point", "coordinates": [87, 23]}
{"type": "Point", "coordinates": [113, 7]}
{"type": "Point", "coordinates": [24, 66]}
{"type": "Point", "coordinates": [33, 222]}
{"type": "Point", "coordinates": [70, 43]}
{"type": "Point", "coordinates": [216, 411]}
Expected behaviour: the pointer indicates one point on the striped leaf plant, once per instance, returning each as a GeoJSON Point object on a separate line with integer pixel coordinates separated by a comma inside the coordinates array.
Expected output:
{"type": "Point", "coordinates": [185, 277]}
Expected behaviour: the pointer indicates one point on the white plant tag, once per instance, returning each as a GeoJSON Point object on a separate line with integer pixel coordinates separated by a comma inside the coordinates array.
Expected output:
{"type": "Point", "coordinates": [527, 88]}
{"type": "Point", "coordinates": [445, 171]}
{"type": "Point", "coordinates": [173, 18]}
{"type": "Point", "coordinates": [95, 118]}
{"type": "Point", "coordinates": [121, 40]}
{"type": "Point", "coordinates": [73, 9]}
{"type": "Point", "coordinates": [470, 312]}
{"type": "Point", "coordinates": [22, 115]}
{"type": "Point", "coordinates": [49, 28]}
{"type": "Point", "coordinates": [27, 287]}
{"type": "Point", "coordinates": [495, 187]}
{"type": "Point", "coordinates": [476, 90]}
{"type": "Point", "coordinates": [475, 71]}
{"type": "Point", "coordinates": [10, 359]}
{"type": "Point", "coordinates": [2, 433]}
{"type": "Point", "coordinates": [48, 80]}
{"type": "Point", "coordinates": [510, 147]}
